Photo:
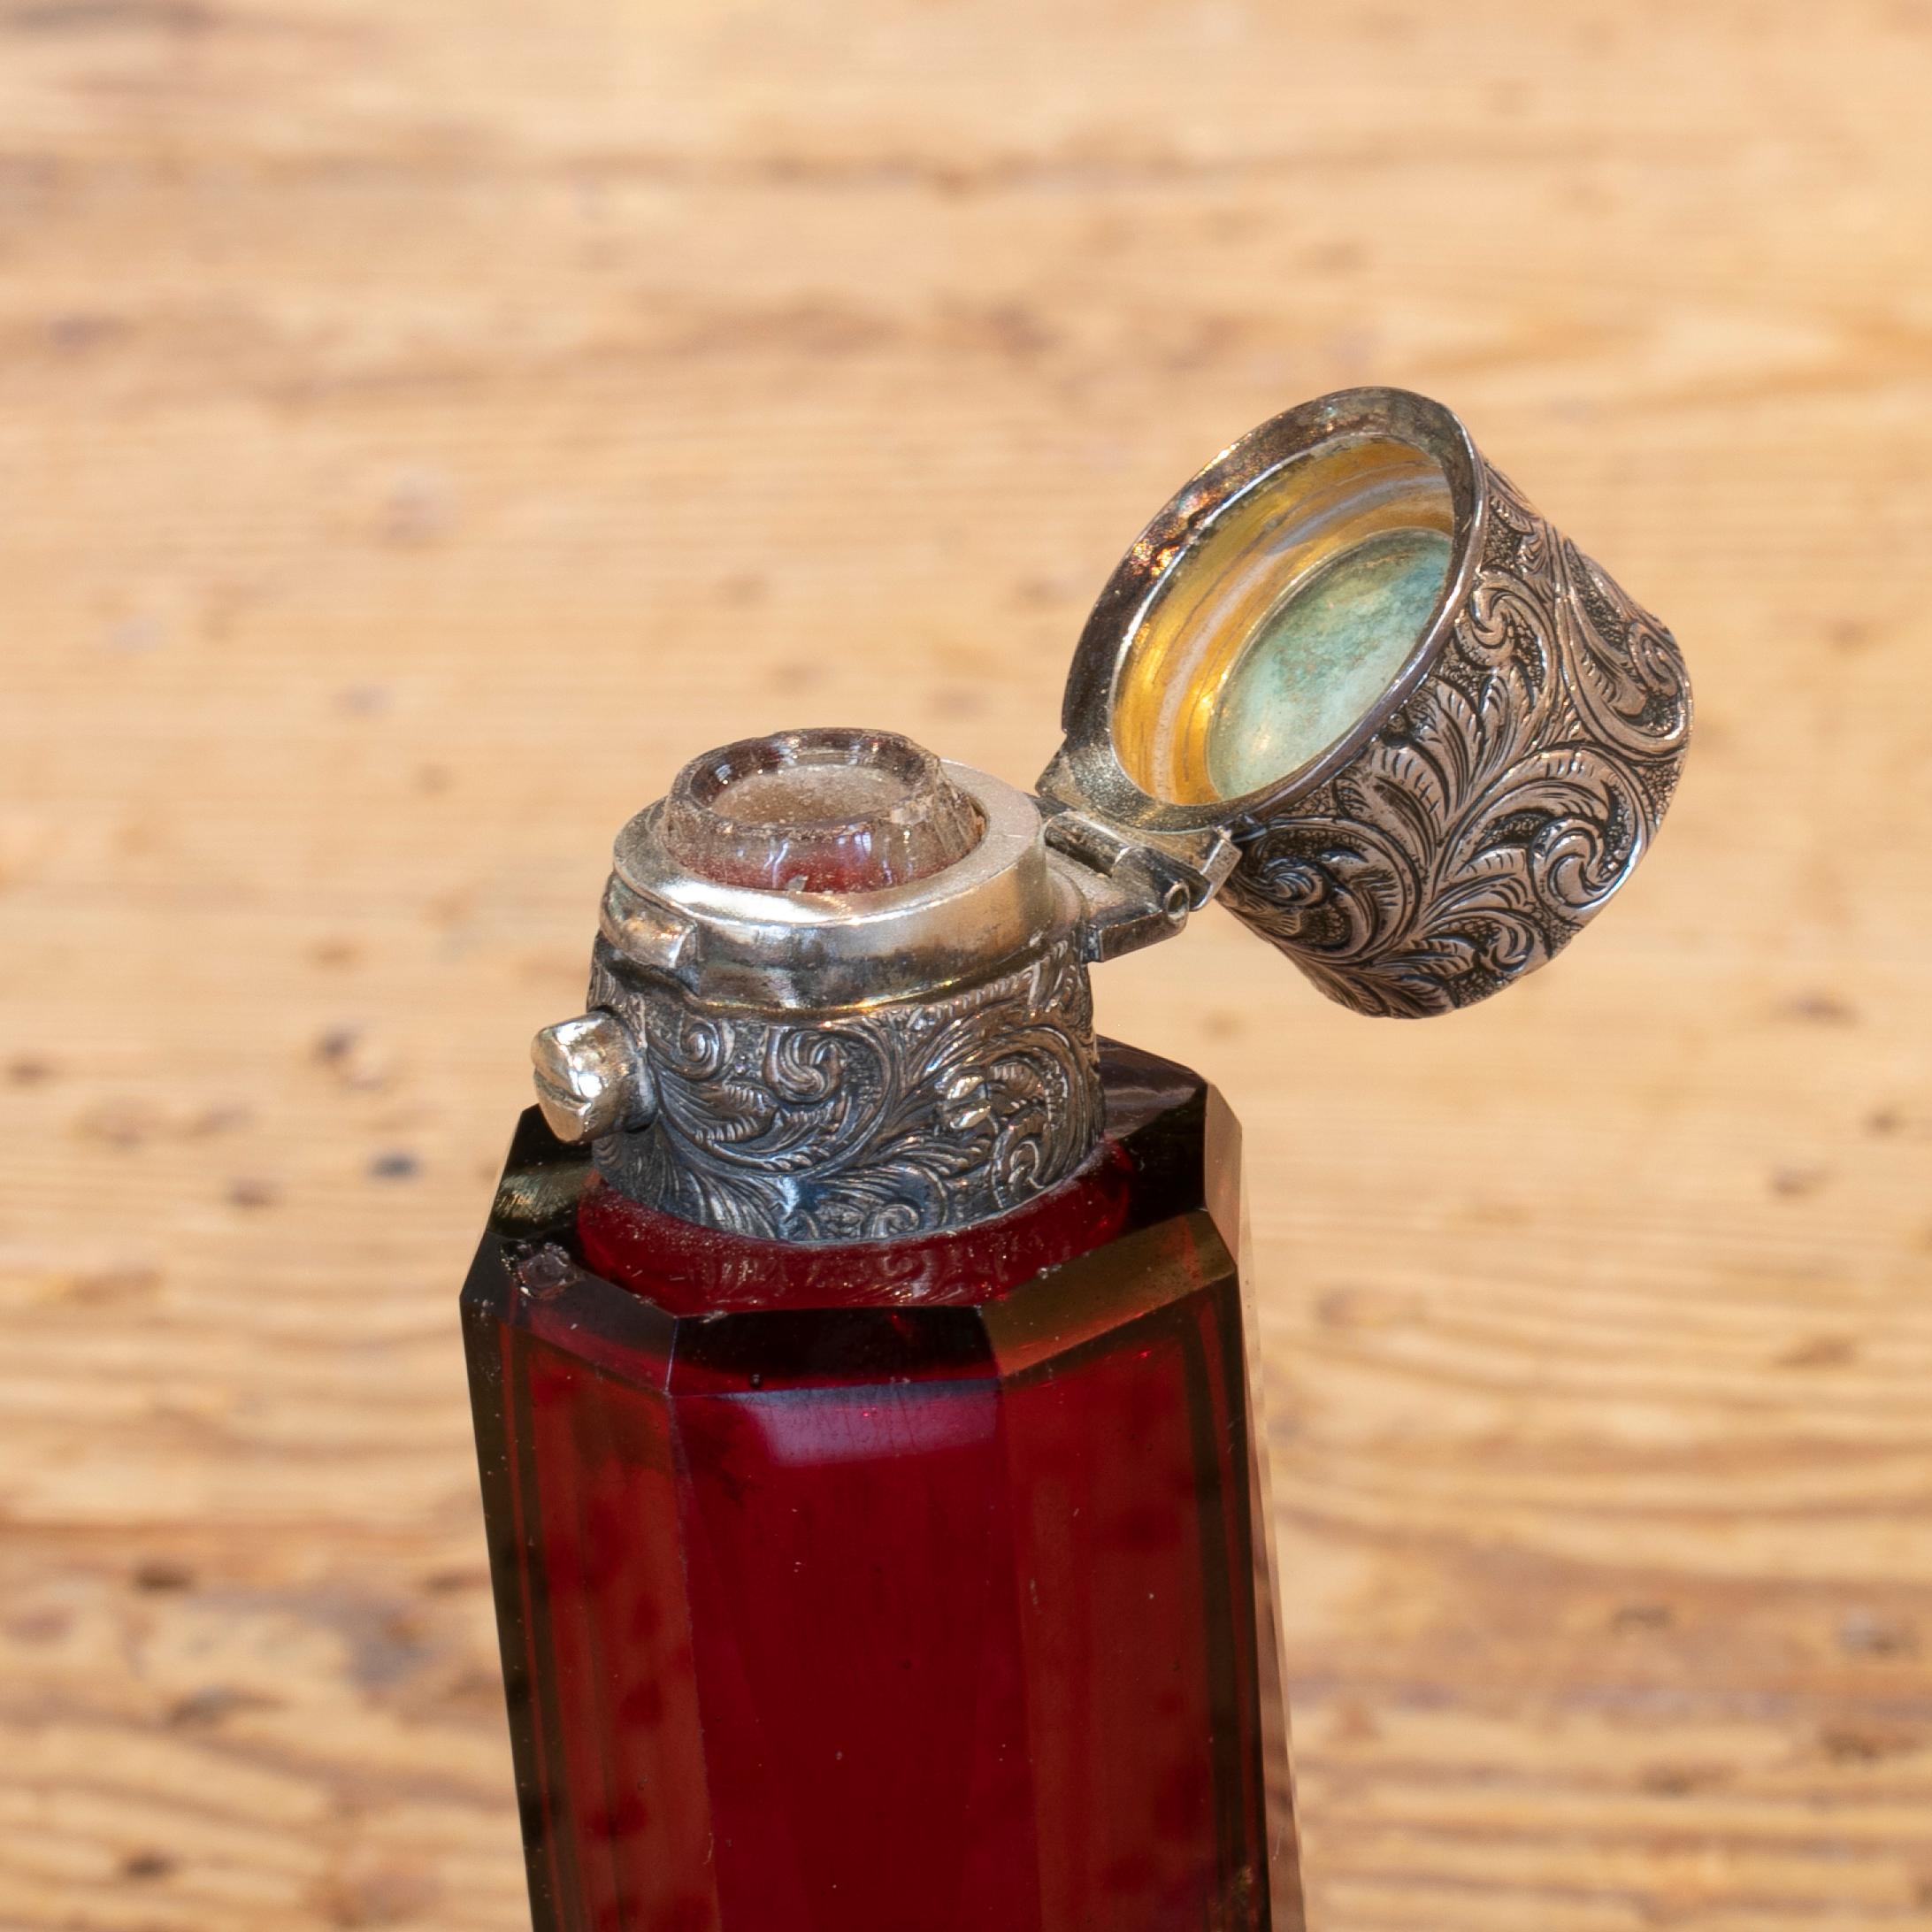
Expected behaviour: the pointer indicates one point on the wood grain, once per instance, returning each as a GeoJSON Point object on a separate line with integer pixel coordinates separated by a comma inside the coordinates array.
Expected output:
{"type": "Point", "coordinates": [421, 426]}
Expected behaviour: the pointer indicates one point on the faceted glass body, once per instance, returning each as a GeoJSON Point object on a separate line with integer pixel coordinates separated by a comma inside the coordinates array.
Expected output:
{"type": "Point", "coordinates": [916, 1587]}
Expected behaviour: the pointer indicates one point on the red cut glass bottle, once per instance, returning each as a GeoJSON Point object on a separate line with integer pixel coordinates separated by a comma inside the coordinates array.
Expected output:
{"type": "Point", "coordinates": [894, 1587]}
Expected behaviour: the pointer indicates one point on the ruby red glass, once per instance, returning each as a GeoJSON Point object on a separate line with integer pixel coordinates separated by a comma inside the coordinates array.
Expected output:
{"type": "Point", "coordinates": [902, 1587]}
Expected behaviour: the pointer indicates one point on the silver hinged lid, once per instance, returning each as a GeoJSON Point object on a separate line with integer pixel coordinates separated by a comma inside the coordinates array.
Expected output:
{"type": "Point", "coordinates": [1348, 679]}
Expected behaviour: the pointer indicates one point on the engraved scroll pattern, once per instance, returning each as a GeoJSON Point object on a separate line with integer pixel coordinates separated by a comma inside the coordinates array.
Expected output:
{"type": "Point", "coordinates": [900, 1119]}
{"type": "Point", "coordinates": [1500, 808]}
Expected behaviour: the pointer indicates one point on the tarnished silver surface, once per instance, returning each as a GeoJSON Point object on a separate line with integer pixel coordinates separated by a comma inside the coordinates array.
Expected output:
{"type": "Point", "coordinates": [859, 1065]}
{"type": "Point", "coordinates": [1498, 807]}
{"type": "Point", "coordinates": [1504, 785]}
{"type": "Point", "coordinates": [892, 1120]}
{"type": "Point", "coordinates": [810, 1065]}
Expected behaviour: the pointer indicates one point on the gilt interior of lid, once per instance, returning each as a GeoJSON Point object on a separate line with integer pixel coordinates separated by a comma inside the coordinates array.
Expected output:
{"type": "Point", "coordinates": [1278, 628]}
{"type": "Point", "coordinates": [827, 810]}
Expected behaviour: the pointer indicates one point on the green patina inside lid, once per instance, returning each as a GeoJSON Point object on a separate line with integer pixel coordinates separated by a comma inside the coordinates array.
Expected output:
{"type": "Point", "coordinates": [1318, 660]}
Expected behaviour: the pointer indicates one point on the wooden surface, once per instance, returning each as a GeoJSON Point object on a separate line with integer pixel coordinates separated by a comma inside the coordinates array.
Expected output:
{"type": "Point", "coordinates": [423, 424]}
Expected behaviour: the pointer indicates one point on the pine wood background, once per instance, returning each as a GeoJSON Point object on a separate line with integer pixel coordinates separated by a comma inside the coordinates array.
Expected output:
{"type": "Point", "coordinates": [424, 423]}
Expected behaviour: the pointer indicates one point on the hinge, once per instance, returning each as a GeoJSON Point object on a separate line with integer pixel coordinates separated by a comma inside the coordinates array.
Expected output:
{"type": "Point", "coordinates": [1137, 887]}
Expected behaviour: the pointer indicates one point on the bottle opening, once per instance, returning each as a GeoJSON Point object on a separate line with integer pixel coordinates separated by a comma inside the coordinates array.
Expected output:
{"type": "Point", "coordinates": [826, 810]}
{"type": "Point", "coordinates": [1280, 626]}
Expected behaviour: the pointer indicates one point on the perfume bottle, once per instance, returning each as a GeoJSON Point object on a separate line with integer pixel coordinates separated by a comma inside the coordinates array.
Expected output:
{"type": "Point", "coordinates": [864, 1379]}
